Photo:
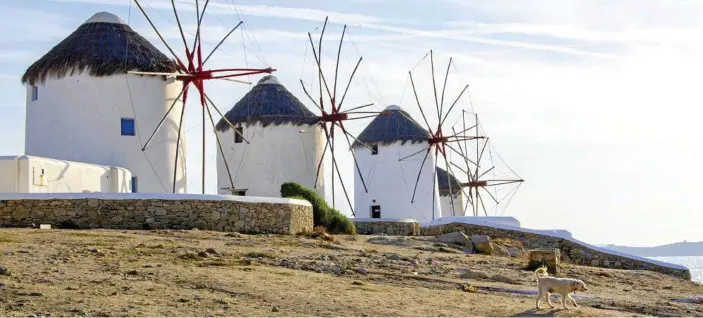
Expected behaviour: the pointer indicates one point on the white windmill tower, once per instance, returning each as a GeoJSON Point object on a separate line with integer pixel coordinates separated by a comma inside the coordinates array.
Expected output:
{"type": "Point", "coordinates": [83, 104]}
{"type": "Point", "coordinates": [285, 145]}
{"type": "Point", "coordinates": [390, 181]}
{"type": "Point", "coordinates": [450, 193]}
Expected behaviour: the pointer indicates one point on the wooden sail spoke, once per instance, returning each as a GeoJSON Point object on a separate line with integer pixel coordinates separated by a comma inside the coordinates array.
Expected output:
{"type": "Point", "coordinates": [419, 173]}
{"type": "Point", "coordinates": [415, 153]}
{"type": "Point", "coordinates": [222, 41]}
{"type": "Point", "coordinates": [236, 131]}
{"type": "Point", "coordinates": [185, 88]}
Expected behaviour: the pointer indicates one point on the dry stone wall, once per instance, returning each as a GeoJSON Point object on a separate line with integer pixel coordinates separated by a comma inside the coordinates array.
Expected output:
{"type": "Point", "coordinates": [218, 215]}
{"type": "Point", "coordinates": [389, 227]}
{"type": "Point", "coordinates": [571, 252]}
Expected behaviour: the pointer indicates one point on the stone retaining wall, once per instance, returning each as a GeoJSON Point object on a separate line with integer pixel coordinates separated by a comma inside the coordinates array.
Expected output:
{"type": "Point", "coordinates": [218, 215]}
{"type": "Point", "coordinates": [571, 252]}
{"type": "Point", "coordinates": [389, 226]}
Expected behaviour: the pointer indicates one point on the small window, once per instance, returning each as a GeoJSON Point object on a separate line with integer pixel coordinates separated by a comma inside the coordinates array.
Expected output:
{"type": "Point", "coordinates": [35, 92]}
{"type": "Point", "coordinates": [238, 135]}
{"type": "Point", "coordinates": [374, 149]}
{"type": "Point", "coordinates": [134, 184]}
{"type": "Point", "coordinates": [242, 192]}
{"type": "Point", "coordinates": [127, 127]}
{"type": "Point", "coordinates": [375, 211]}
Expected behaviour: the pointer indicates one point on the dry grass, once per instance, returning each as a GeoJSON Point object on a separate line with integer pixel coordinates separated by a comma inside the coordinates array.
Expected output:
{"type": "Point", "coordinates": [508, 242]}
{"type": "Point", "coordinates": [6, 237]}
{"type": "Point", "coordinates": [171, 273]}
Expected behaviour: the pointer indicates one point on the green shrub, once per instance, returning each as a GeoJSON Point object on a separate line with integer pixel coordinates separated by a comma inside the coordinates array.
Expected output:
{"type": "Point", "coordinates": [334, 221]}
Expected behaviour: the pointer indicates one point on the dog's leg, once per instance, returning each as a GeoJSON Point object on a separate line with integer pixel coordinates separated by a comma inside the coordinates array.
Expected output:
{"type": "Point", "coordinates": [549, 300]}
{"type": "Point", "coordinates": [573, 301]}
{"type": "Point", "coordinates": [563, 301]}
{"type": "Point", "coordinates": [539, 297]}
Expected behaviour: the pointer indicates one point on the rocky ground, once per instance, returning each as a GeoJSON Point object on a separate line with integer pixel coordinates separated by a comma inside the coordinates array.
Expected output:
{"type": "Point", "coordinates": [199, 273]}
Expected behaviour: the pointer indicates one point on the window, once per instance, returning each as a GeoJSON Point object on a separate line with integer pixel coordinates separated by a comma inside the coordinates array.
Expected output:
{"type": "Point", "coordinates": [238, 135]}
{"type": "Point", "coordinates": [35, 92]}
{"type": "Point", "coordinates": [374, 149]}
{"type": "Point", "coordinates": [134, 184]}
{"type": "Point", "coordinates": [375, 211]}
{"type": "Point", "coordinates": [241, 192]}
{"type": "Point", "coordinates": [127, 127]}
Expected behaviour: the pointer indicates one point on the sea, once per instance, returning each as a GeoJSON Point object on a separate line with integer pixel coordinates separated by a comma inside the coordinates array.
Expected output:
{"type": "Point", "coordinates": [694, 264]}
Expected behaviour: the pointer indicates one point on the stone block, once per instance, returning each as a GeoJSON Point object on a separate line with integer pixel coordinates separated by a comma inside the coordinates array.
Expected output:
{"type": "Point", "coordinates": [458, 238]}
{"type": "Point", "coordinates": [482, 244]}
{"type": "Point", "coordinates": [548, 257]}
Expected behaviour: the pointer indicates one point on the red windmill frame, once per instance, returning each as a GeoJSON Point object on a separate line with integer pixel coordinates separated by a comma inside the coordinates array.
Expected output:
{"type": "Point", "coordinates": [194, 72]}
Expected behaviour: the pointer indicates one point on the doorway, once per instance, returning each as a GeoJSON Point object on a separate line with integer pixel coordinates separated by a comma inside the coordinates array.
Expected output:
{"type": "Point", "coordinates": [375, 211]}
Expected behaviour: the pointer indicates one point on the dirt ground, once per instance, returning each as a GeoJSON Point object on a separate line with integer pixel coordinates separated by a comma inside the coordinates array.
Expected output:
{"type": "Point", "coordinates": [201, 273]}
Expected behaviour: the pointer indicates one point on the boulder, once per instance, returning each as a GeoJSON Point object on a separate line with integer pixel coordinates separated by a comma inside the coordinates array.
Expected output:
{"type": "Point", "coordinates": [499, 250]}
{"type": "Point", "coordinates": [458, 238]}
{"type": "Point", "coordinates": [548, 257]}
{"type": "Point", "coordinates": [514, 252]}
{"type": "Point", "coordinates": [482, 244]}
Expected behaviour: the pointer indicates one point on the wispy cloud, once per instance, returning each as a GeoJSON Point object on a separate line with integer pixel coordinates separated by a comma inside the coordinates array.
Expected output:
{"type": "Point", "coordinates": [250, 10]}
{"type": "Point", "coordinates": [356, 20]}
{"type": "Point", "coordinates": [16, 29]}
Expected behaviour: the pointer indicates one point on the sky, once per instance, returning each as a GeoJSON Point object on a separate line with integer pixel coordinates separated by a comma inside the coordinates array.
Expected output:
{"type": "Point", "coordinates": [594, 103]}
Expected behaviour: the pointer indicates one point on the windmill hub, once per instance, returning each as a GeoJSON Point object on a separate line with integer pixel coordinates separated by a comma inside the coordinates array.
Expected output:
{"type": "Point", "coordinates": [438, 140]}
{"type": "Point", "coordinates": [476, 184]}
{"type": "Point", "coordinates": [334, 117]}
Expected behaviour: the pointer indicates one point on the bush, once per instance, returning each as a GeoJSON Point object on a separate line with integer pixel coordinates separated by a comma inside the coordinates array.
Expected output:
{"type": "Point", "coordinates": [334, 221]}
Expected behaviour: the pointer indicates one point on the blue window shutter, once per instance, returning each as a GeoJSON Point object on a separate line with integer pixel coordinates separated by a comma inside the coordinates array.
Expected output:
{"type": "Point", "coordinates": [127, 127]}
{"type": "Point", "coordinates": [35, 92]}
{"type": "Point", "coordinates": [134, 184]}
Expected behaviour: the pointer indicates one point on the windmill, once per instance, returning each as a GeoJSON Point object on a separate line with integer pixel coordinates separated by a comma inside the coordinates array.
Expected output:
{"type": "Point", "coordinates": [332, 116]}
{"type": "Point", "coordinates": [439, 141]}
{"type": "Point", "coordinates": [485, 178]}
{"type": "Point", "coordinates": [192, 71]}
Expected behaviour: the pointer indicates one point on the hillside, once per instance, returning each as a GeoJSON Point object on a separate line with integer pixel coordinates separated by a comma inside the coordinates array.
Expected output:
{"type": "Point", "coordinates": [674, 249]}
{"type": "Point", "coordinates": [198, 273]}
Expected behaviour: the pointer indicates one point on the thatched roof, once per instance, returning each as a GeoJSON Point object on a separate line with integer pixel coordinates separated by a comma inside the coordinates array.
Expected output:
{"type": "Point", "coordinates": [443, 181]}
{"type": "Point", "coordinates": [268, 103]}
{"type": "Point", "coordinates": [104, 45]}
{"type": "Point", "coordinates": [395, 125]}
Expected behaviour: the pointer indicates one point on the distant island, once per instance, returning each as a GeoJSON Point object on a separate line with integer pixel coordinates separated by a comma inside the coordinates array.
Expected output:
{"type": "Point", "coordinates": [675, 249]}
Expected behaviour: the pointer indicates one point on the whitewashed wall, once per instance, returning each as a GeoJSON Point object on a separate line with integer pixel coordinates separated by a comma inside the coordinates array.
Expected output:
{"type": "Point", "coordinates": [8, 174]}
{"type": "Point", "coordinates": [28, 174]}
{"type": "Point", "coordinates": [390, 183]}
{"type": "Point", "coordinates": [275, 155]}
{"type": "Point", "coordinates": [446, 203]}
{"type": "Point", "coordinates": [77, 118]}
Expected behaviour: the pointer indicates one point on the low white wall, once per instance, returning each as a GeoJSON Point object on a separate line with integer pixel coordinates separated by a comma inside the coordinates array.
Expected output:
{"type": "Point", "coordinates": [478, 220]}
{"type": "Point", "coordinates": [29, 174]}
{"type": "Point", "coordinates": [8, 174]}
{"type": "Point", "coordinates": [151, 196]}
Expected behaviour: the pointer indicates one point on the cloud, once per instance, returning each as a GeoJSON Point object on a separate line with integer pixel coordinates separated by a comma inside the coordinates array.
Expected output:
{"type": "Point", "coordinates": [16, 29]}
{"type": "Point", "coordinates": [220, 8]}
{"type": "Point", "coordinates": [356, 20]}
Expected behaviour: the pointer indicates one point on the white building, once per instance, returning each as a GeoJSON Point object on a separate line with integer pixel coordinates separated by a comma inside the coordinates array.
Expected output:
{"type": "Point", "coordinates": [27, 174]}
{"type": "Point", "coordinates": [83, 106]}
{"type": "Point", "coordinates": [448, 194]}
{"type": "Point", "coordinates": [390, 180]}
{"type": "Point", "coordinates": [271, 118]}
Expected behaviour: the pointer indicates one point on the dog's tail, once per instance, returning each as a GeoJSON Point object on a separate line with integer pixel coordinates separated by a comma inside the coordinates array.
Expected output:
{"type": "Point", "coordinates": [541, 270]}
